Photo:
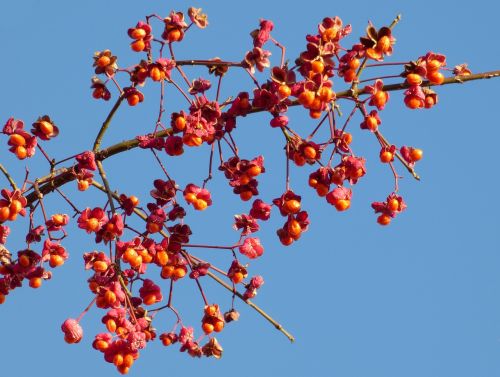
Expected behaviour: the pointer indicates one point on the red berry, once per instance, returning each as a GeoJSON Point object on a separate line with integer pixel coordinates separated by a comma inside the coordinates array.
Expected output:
{"type": "Point", "coordinates": [384, 219]}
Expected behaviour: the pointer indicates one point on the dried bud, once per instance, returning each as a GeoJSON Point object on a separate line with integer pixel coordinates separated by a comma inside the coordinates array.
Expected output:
{"type": "Point", "coordinates": [231, 315]}
{"type": "Point", "coordinates": [72, 330]}
{"type": "Point", "coordinates": [212, 348]}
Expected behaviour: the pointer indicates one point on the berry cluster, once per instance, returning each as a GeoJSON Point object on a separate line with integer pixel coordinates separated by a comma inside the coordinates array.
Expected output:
{"type": "Point", "coordinates": [134, 269]}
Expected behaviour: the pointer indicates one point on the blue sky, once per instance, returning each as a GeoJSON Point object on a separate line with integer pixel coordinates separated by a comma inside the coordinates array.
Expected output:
{"type": "Point", "coordinates": [418, 298]}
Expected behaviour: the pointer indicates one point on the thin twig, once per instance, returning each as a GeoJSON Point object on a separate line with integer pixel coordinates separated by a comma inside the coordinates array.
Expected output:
{"type": "Point", "coordinates": [253, 306]}
{"type": "Point", "coordinates": [9, 177]}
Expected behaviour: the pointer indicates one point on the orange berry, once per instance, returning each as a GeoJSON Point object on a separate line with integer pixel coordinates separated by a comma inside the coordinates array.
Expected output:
{"type": "Point", "coordinates": [210, 310]}
{"type": "Point", "coordinates": [346, 138]}
{"type": "Point", "coordinates": [138, 45]}
{"type": "Point", "coordinates": [384, 44]}
{"type": "Point", "coordinates": [246, 195]}
{"type": "Point", "coordinates": [244, 179]}
{"type": "Point", "coordinates": [56, 260]}
{"type": "Point", "coordinates": [371, 123]}
{"type": "Point", "coordinates": [129, 254]}
{"type": "Point", "coordinates": [179, 272]}
{"type": "Point", "coordinates": [309, 152]}
{"type": "Point", "coordinates": [133, 99]}
{"type": "Point", "coordinates": [15, 206]}
{"type": "Point", "coordinates": [254, 170]}
{"type": "Point", "coordinates": [284, 237]}
{"type": "Point", "coordinates": [314, 114]}
{"type": "Point", "coordinates": [413, 102]}
{"type": "Point", "coordinates": [167, 271]}
{"type": "Point", "coordinates": [317, 66]}
{"type": "Point", "coordinates": [384, 219]}
{"type": "Point", "coordinates": [147, 258]}
{"type": "Point", "coordinates": [433, 65]}
{"type": "Point", "coordinates": [122, 332]}
{"type": "Point", "coordinates": [12, 216]}
{"type": "Point", "coordinates": [136, 262]}
{"type": "Point", "coordinates": [316, 104]}
{"type": "Point", "coordinates": [284, 91]}
{"type": "Point", "coordinates": [207, 327]}
{"type": "Point", "coordinates": [103, 61]}
{"type": "Point", "coordinates": [299, 159]}
{"type": "Point", "coordinates": [149, 299]}
{"type": "Point", "coordinates": [329, 34]}
{"type": "Point", "coordinates": [321, 189]}
{"type": "Point", "coordinates": [306, 98]}
{"type": "Point", "coordinates": [180, 123]}
{"type": "Point", "coordinates": [435, 77]}
{"type": "Point", "coordinates": [174, 35]}
{"type": "Point", "coordinates": [374, 54]}
{"type": "Point", "coordinates": [83, 185]}
{"type": "Point", "coordinates": [24, 261]}
{"type": "Point", "coordinates": [190, 197]}
{"type": "Point", "coordinates": [128, 360]}
{"type": "Point", "coordinates": [138, 33]}
{"type": "Point", "coordinates": [286, 240]}
{"type": "Point", "coordinates": [122, 369]}
{"type": "Point", "coordinates": [429, 102]}
{"type": "Point", "coordinates": [58, 219]}
{"type": "Point", "coordinates": [110, 297]}
{"type": "Point", "coordinates": [153, 227]}
{"type": "Point", "coordinates": [111, 325]}
{"type": "Point", "coordinates": [155, 74]}
{"type": "Point", "coordinates": [92, 224]}
{"type": "Point", "coordinates": [17, 140]}
{"type": "Point", "coordinates": [93, 286]}
{"type": "Point", "coordinates": [165, 340]}
{"type": "Point", "coordinates": [134, 200]}
{"type": "Point", "coordinates": [354, 63]}
{"type": "Point", "coordinates": [237, 277]}
{"type": "Point", "coordinates": [101, 345]}
{"type": "Point", "coordinates": [386, 157]}
{"type": "Point", "coordinates": [118, 359]}
{"type": "Point", "coordinates": [380, 98]}
{"type": "Point", "coordinates": [200, 204]}
{"type": "Point", "coordinates": [313, 182]}
{"type": "Point", "coordinates": [162, 257]}
{"type": "Point", "coordinates": [393, 204]}
{"type": "Point", "coordinates": [35, 282]}
{"type": "Point", "coordinates": [416, 154]}
{"type": "Point", "coordinates": [46, 127]}
{"type": "Point", "coordinates": [325, 94]}
{"type": "Point", "coordinates": [192, 140]}
{"type": "Point", "coordinates": [292, 206]}
{"type": "Point", "coordinates": [294, 228]}
{"type": "Point", "coordinates": [414, 79]}
{"type": "Point", "coordinates": [110, 227]}
{"type": "Point", "coordinates": [342, 204]}
{"type": "Point", "coordinates": [218, 326]}
{"type": "Point", "coordinates": [2, 298]}
{"type": "Point", "coordinates": [349, 75]}
{"type": "Point", "coordinates": [21, 152]}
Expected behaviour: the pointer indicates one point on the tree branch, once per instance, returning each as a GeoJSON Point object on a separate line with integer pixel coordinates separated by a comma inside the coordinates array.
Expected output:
{"type": "Point", "coordinates": [66, 175]}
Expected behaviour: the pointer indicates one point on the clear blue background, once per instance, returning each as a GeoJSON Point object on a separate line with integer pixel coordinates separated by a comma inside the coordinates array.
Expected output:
{"type": "Point", "coordinates": [418, 298]}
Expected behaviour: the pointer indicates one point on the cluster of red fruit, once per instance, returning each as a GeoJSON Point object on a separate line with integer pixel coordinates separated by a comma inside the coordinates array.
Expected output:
{"type": "Point", "coordinates": [29, 265]}
{"type": "Point", "coordinates": [22, 143]}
